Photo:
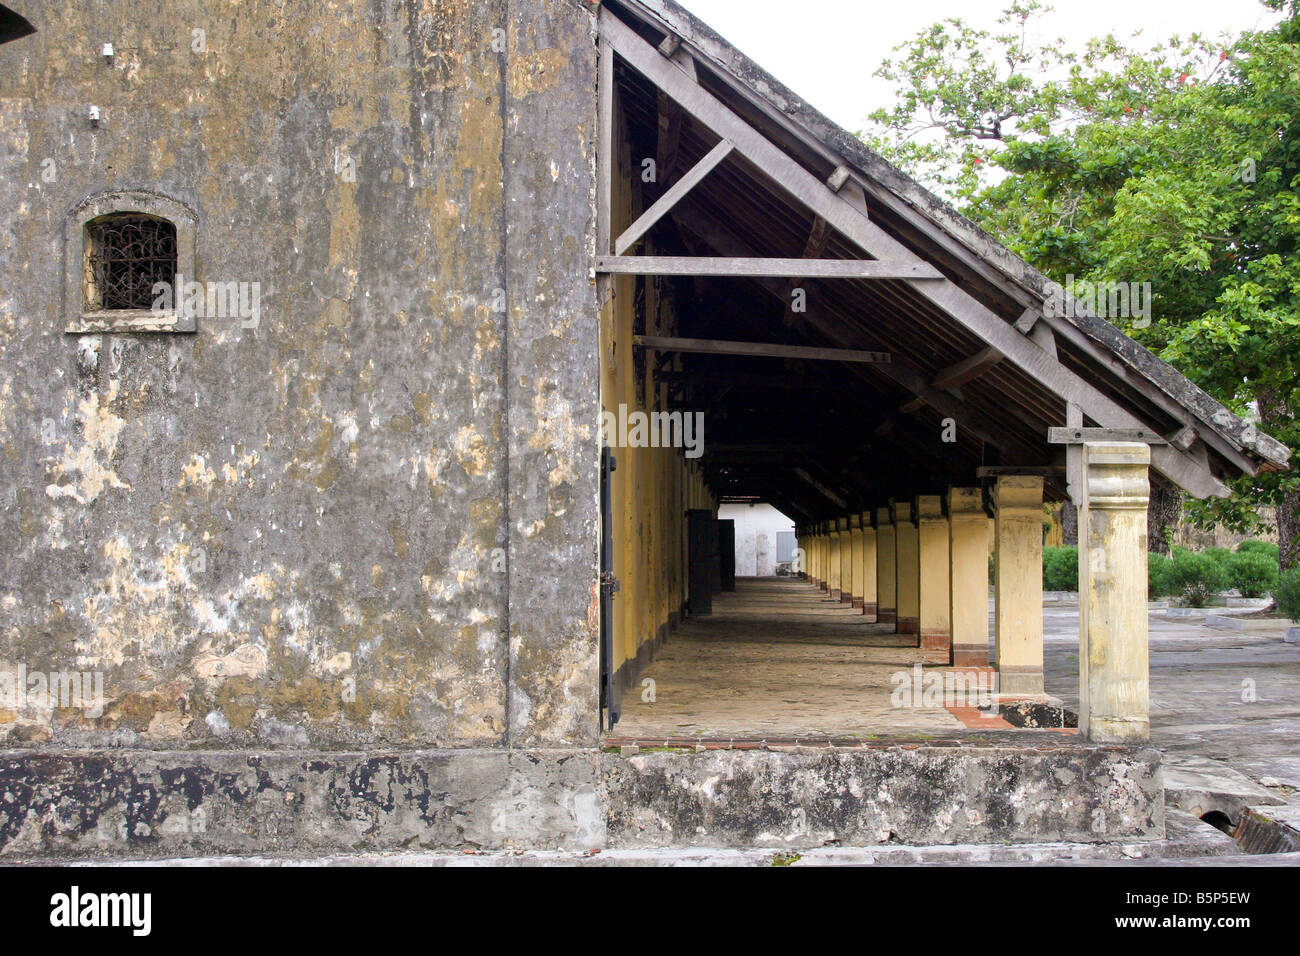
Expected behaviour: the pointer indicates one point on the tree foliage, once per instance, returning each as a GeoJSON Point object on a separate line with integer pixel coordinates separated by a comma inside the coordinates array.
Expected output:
{"type": "Point", "coordinates": [1177, 165]}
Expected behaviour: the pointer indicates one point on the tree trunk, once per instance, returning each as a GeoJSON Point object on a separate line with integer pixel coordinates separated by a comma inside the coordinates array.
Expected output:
{"type": "Point", "coordinates": [1069, 524]}
{"type": "Point", "coordinates": [1163, 511]}
{"type": "Point", "coordinates": [1273, 409]}
{"type": "Point", "coordinates": [1288, 530]}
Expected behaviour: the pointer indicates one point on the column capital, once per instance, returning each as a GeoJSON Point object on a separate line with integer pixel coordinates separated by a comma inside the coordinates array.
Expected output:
{"type": "Point", "coordinates": [930, 508]}
{"type": "Point", "coordinates": [1117, 475]}
{"type": "Point", "coordinates": [884, 516]}
{"type": "Point", "coordinates": [1018, 493]}
{"type": "Point", "coordinates": [900, 511]}
{"type": "Point", "coordinates": [966, 503]}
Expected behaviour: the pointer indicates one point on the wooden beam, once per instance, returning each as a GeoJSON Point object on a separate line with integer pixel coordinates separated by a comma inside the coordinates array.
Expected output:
{"type": "Point", "coordinates": [967, 369]}
{"type": "Point", "coordinates": [670, 198]}
{"type": "Point", "coordinates": [818, 237]}
{"type": "Point", "coordinates": [670, 136]}
{"type": "Point", "coordinates": [1043, 336]}
{"type": "Point", "coordinates": [947, 296]}
{"type": "Point", "coordinates": [775, 268]}
{"type": "Point", "coordinates": [605, 147]}
{"type": "Point", "coordinates": [1076, 436]}
{"type": "Point", "coordinates": [824, 491]}
{"type": "Point", "coordinates": [759, 349]}
{"type": "Point", "coordinates": [1027, 319]}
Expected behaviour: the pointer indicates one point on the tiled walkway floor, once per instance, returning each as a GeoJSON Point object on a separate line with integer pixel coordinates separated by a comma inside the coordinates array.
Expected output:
{"type": "Point", "coordinates": [779, 659]}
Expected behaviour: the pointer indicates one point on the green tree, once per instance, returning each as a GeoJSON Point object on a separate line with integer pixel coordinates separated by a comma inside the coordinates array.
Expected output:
{"type": "Point", "coordinates": [1176, 165]}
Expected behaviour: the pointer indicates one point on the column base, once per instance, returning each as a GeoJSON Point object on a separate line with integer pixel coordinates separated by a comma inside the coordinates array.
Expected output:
{"type": "Point", "coordinates": [834, 593]}
{"type": "Point", "coordinates": [970, 655]}
{"type": "Point", "coordinates": [857, 602]}
{"type": "Point", "coordinates": [886, 615]}
{"type": "Point", "coordinates": [936, 647]}
{"type": "Point", "coordinates": [1117, 731]}
{"type": "Point", "coordinates": [869, 610]}
{"type": "Point", "coordinates": [846, 598]}
{"type": "Point", "coordinates": [909, 625]}
{"type": "Point", "coordinates": [1020, 681]}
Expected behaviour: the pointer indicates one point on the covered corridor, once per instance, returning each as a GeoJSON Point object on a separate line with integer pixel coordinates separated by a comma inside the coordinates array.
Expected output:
{"type": "Point", "coordinates": [777, 660]}
{"type": "Point", "coordinates": [785, 318]}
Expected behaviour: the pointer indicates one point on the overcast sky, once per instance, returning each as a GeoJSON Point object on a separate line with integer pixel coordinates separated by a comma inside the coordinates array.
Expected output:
{"type": "Point", "coordinates": [827, 50]}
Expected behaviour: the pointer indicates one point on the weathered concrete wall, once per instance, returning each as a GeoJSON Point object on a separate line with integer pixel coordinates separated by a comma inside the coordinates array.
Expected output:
{"type": "Point", "coordinates": [168, 803]}
{"type": "Point", "coordinates": [905, 794]}
{"type": "Point", "coordinates": [288, 534]}
{"type": "Point", "coordinates": [183, 803]}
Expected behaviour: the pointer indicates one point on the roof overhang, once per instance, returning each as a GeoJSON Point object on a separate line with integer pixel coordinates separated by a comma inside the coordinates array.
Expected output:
{"type": "Point", "coordinates": [988, 313]}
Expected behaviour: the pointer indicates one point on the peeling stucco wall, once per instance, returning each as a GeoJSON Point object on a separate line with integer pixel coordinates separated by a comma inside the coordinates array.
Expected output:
{"type": "Point", "coordinates": [371, 518]}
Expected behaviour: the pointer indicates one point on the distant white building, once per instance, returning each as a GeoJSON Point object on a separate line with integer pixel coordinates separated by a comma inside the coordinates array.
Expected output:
{"type": "Point", "coordinates": [764, 538]}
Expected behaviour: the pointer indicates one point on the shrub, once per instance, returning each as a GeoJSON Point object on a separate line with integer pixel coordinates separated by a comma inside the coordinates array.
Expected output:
{"type": "Point", "coordinates": [1197, 575]}
{"type": "Point", "coordinates": [1255, 546]}
{"type": "Point", "coordinates": [1252, 573]}
{"type": "Point", "coordinates": [1287, 593]}
{"type": "Point", "coordinates": [1061, 569]}
{"type": "Point", "coordinates": [1158, 570]}
{"type": "Point", "coordinates": [1220, 556]}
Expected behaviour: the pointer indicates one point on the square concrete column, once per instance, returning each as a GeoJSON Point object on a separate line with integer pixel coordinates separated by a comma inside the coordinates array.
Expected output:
{"type": "Point", "coordinates": [1018, 584]}
{"type": "Point", "coordinates": [1113, 665]}
{"type": "Point", "coordinates": [968, 547]}
{"type": "Point", "coordinates": [935, 597]}
{"type": "Point", "coordinates": [855, 535]}
{"type": "Point", "coordinates": [814, 556]}
{"type": "Point", "coordinates": [824, 567]}
{"type": "Point", "coordinates": [886, 569]}
{"type": "Point", "coordinates": [837, 560]}
{"type": "Point", "coordinates": [908, 568]}
{"type": "Point", "coordinates": [846, 561]}
{"type": "Point", "coordinates": [868, 565]}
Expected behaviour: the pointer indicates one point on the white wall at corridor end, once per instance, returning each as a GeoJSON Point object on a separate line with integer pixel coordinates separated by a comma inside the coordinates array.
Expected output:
{"type": "Point", "coordinates": [756, 529]}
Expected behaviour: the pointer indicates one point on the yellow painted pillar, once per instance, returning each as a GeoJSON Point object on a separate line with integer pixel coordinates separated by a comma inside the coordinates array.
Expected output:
{"type": "Point", "coordinates": [968, 546]}
{"type": "Point", "coordinates": [824, 558]}
{"type": "Point", "coordinates": [846, 561]}
{"type": "Point", "coordinates": [837, 559]}
{"type": "Point", "coordinates": [933, 591]}
{"type": "Point", "coordinates": [855, 538]}
{"type": "Point", "coordinates": [818, 570]}
{"type": "Point", "coordinates": [869, 580]}
{"type": "Point", "coordinates": [909, 568]}
{"type": "Point", "coordinates": [1018, 584]}
{"type": "Point", "coordinates": [1114, 671]}
{"type": "Point", "coordinates": [886, 569]}
{"type": "Point", "coordinates": [816, 554]}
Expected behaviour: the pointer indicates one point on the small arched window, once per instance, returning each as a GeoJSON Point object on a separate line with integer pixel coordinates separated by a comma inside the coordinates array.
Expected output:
{"type": "Point", "coordinates": [127, 255]}
{"type": "Point", "coordinates": [120, 250]}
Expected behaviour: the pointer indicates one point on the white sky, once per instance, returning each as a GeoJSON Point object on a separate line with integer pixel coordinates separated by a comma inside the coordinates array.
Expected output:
{"type": "Point", "coordinates": [827, 50]}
